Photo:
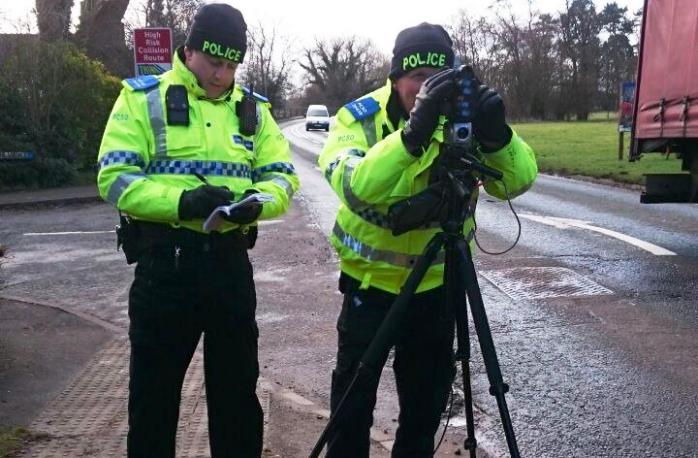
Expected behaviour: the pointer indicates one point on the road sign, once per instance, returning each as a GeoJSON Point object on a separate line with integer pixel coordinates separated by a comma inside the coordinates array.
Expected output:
{"type": "Point", "coordinates": [627, 99]}
{"type": "Point", "coordinates": [152, 50]}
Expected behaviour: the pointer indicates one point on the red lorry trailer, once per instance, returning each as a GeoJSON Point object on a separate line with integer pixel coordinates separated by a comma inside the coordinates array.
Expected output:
{"type": "Point", "coordinates": [666, 98]}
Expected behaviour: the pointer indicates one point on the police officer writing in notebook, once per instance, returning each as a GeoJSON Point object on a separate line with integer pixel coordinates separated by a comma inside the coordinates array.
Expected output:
{"type": "Point", "coordinates": [176, 147]}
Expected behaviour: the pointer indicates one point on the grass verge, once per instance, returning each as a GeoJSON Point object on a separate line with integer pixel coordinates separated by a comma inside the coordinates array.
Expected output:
{"type": "Point", "coordinates": [589, 148]}
{"type": "Point", "coordinates": [10, 439]}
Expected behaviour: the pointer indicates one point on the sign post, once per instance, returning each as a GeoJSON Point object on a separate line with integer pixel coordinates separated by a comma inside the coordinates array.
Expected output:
{"type": "Point", "coordinates": [152, 50]}
{"type": "Point", "coordinates": [625, 119]}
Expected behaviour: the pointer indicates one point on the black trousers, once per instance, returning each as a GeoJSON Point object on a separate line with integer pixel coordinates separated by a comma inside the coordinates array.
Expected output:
{"type": "Point", "coordinates": [424, 369]}
{"type": "Point", "coordinates": [180, 292]}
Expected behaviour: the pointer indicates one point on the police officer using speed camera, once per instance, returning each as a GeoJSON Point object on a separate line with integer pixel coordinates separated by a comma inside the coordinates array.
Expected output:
{"type": "Point", "coordinates": [383, 149]}
{"type": "Point", "coordinates": [176, 147]}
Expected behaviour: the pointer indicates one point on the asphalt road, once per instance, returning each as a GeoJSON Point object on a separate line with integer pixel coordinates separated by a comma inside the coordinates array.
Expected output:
{"type": "Point", "coordinates": [594, 322]}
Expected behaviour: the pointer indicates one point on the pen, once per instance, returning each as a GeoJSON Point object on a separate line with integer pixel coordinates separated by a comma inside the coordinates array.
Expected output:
{"type": "Point", "coordinates": [201, 177]}
{"type": "Point", "coordinates": [205, 181]}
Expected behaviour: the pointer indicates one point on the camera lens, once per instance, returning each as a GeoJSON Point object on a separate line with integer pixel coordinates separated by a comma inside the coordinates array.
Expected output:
{"type": "Point", "coordinates": [462, 133]}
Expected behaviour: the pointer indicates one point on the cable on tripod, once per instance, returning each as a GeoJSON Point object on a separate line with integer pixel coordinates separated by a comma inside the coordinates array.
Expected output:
{"type": "Point", "coordinates": [518, 222]}
{"type": "Point", "coordinates": [448, 420]}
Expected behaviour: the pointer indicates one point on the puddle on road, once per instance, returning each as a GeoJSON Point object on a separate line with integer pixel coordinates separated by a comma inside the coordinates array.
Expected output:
{"type": "Point", "coordinates": [274, 275]}
{"type": "Point", "coordinates": [270, 317]}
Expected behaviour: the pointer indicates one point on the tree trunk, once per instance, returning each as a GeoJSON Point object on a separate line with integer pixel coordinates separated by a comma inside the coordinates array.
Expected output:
{"type": "Point", "coordinates": [53, 17]}
{"type": "Point", "coordinates": [101, 34]}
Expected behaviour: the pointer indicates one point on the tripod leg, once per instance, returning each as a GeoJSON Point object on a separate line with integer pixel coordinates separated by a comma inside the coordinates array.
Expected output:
{"type": "Point", "coordinates": [489, 355]}
{"type": "Point", "coordinates": [376, 354]}
{"type": "Point", "coordinates": [455, 291]}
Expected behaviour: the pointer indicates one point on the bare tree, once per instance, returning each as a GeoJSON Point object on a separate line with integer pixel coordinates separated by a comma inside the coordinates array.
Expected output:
{"type": "Point", "coordinates": [175, 14]}
{"type": "Point", "coordinates": [343, 69]}
{"type": "Point", "coordinates": [540, 67]}
{"type": "Point", "coordinates": [549, 66]}
{"type": "Point", "coordinates": [53, 17]}
{"type": "Point", "coordinates": [514, 56]}
{"type": "Point", "coordinates": [618, 60]}
{"type": "Point", "coordinates": [580, 49]}
{"type": "Point", "coordinates": [472, 41]}
{"type": "Point", "coordinates": [267, 64]}
{"type": "Point", "coordinates": [509, 52]}
{"type": "Point", "coordinates": [155, 14]}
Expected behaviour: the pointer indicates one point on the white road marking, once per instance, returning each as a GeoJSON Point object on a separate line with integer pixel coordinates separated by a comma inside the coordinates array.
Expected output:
{"type": "Point", "coordinates": [310, 141]}
{"type": "Point", "coordinates": [68, 233]}
{"type": "Point", "coordinates": [566, 223]}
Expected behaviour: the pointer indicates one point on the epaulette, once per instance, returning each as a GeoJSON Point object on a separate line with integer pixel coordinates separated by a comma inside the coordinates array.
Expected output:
{"type": "Point", "coordinates": [141, 83]}
{"type": "Point", "coordinates": [259, 97]}
{"type": "Point", "coordinates": [363, 108]}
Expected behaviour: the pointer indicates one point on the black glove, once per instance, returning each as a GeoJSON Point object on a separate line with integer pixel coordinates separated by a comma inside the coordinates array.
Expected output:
{"type": "Point", "coordinates": [418, 210]}
{"type": "Point", "coordinates": [425, 114]}
{"type": "Point", "coordinates": [201, 201]}
{"type": "Point", "coordinates": [245, 214]}
{"type": "Point", "coordinates": [489, 126]}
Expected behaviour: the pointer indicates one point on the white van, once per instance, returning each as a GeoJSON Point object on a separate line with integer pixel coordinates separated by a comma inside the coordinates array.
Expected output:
{"type": "Point", "coordinates": [317, 117]}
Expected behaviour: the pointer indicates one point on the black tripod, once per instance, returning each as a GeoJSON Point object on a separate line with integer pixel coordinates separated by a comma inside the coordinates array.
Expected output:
{"type": "Point", "coordinates": [456, 172]}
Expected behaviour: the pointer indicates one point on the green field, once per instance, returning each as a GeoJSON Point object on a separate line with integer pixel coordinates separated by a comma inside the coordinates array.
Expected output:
{"type": "Point", "coordinates": [590, 148]}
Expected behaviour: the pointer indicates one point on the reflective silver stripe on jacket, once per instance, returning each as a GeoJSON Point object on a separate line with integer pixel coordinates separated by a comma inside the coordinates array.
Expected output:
{"type": "Point", "coordinates": [157, 121]}
{"type": "Point", "coordinates": [122, 182]}
{"type": "Point", "coordinates": [369, 126]}
{"type": "Point", "coordinates": [366, 211]}
{"type": "Point", "coordinates": [329, 170]}
{"type": "Point", "coordinates": [374, 254]}
{"type": "Point", "coordinates": [354, 202]}
{"type": "Point", "coordinates": [281, 181]}
{"type": "Point", "coordinates": [362, 209]}
{"type": "Point", "coordinates": [265, 172]}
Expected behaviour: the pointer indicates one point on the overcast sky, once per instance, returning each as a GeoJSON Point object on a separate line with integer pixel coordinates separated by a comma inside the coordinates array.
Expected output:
{"type": "Point", "coordinates": [302, 21]}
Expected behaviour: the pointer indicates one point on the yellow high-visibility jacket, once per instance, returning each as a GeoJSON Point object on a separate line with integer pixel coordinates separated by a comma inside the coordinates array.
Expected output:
{"type": "Point", "coordinates": [145, 163]}
{"type": "Point", "coordinates": [369, 168]}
